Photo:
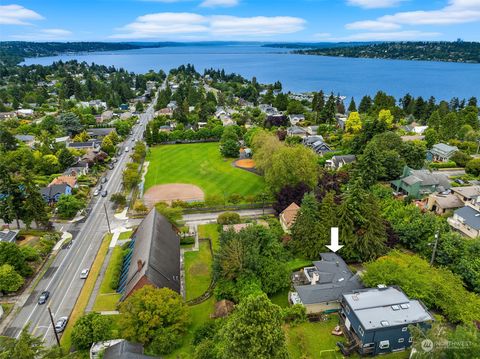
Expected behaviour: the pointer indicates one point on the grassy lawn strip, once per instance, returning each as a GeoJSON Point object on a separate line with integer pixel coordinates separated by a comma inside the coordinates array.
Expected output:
{"type": "Point", "coordinates": [87, 289]}
{"type": "Point", "coordinates": [107, 297]}
{"type": "Point", "coordinates": [210, 231]}
{"type": "Point", "coordinates": [198, 271]}
{"type": "Point", "coordinates": [125, 235]}
{"type": "Point", "coordinates": [200, 164]}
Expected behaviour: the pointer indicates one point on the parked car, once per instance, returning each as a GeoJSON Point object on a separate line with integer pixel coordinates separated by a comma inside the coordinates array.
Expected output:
{"type": "Point", "coordinates": [96, 192]}
{"type": "Point", "coordinates": [460, 181]}
{"type": "Point", "coordinates": [114, 160]}
{"type": "Point", "coordinates": [126, 149]}
{"type": "Point", "coordinates": [111, 166]}
{"type": "Point", "coordinates": [61, 324]}
{"type": "Point", "coordinates": [104, 180]}
{"type": "Point", "coordinates": [104, 193]}
{"type": "Point", "coordinates": [43, 297]}
{"type": "Point", "coordinates": [84, 273]}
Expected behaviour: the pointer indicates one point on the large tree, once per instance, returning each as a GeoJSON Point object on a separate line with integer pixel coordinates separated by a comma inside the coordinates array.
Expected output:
{"type": "Point", "coordinates": [254, 331]}
{"type": "Point", "coordinates": [10, 280]}
{"type": "Point", "coordinates": [157, 318]}
{"type": "Point", "coordinates": [91, 328]}
{"type": "Point", "coordinates": [291, 166]}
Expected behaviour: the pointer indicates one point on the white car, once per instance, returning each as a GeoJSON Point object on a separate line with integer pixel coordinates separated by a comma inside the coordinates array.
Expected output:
{"type": "Point", "coordinates": [61, 324]}
{"type": "Point", "coordinates": [96, 192]}
{"type": "Point", "coordinates": [84, 273]}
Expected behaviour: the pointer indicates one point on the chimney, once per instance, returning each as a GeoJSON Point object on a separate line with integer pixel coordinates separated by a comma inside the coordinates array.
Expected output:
{"type": "Point", "coordinates": [315, 278]}
{"type": "Point", "coordinates": [140, 265]}
{"type": "Point", "coordinates": [338, 264]}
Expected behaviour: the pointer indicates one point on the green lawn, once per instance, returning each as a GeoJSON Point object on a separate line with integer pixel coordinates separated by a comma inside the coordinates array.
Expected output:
{"type": "Point", "coordinates": [125, 235]}
{"type": "Point", "coordinates": [107, 297]}
{"type": "Point", "coordinates": [313, 340]}
{"type": "Point", "coordinates": [198, 271]}
{"type": "Point", "coordinates": [298, 263]}
{"type": "Point", "coordinates": [281, 298]}
{"type": "Point", "coordinates": [200, 164]}
{"type": "Point", "coordinates": [210, 231]}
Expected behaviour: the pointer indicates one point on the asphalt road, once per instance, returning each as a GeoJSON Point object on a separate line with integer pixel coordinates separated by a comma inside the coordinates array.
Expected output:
{"type": "Point", "coordinates": [62, 279]}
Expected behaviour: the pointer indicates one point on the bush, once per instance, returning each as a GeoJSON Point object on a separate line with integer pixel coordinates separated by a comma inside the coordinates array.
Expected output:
{"type": "Point", "coordinates": [174, 215]}
{"type": "Point", "coordinates": [118, 199]}
{"type": "Point", "coordinates": [117, 270]}
{"type": "Point", "coordinates": [295, 314]}
{"type": "Point", "coordinates": [449, 164]}
{"type": "Point", "coordinates": [187, 240]}
{"type": "Point", "coordinates": [139, 207]}
{"type": "Point", "coordinates": [30, 253]}
{"type": "Point", "coordinates": [235, 198]}
{"type": "Point", "coordinates": [89, 329]}
{"type": "Point", "coordinates": [10, 280]}
{"type": "Point", "coordinates": [460, 158]}
{"type": "Point", "coordinates": [228, 218]}
{"type": "Point", "coordinates": [473, 167]}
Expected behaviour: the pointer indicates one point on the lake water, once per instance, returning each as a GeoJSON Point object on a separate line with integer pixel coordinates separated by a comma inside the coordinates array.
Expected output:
{"type": "Point", "coordinates": [301, 73]}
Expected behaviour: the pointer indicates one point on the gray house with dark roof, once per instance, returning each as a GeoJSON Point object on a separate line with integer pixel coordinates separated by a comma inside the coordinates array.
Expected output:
{"type": "Point", "coordinates": [319, 288]}
{"type": "Point", "coordinates": [155, 256]}
{"type": "Point", "coordinates": [376, 320]}
{"type": "Point", "coordinates": [51, 194]}
{"type": "Point", "coordinates": [125, 350]}
{"type": "Point", "coordinates": [417, 183]}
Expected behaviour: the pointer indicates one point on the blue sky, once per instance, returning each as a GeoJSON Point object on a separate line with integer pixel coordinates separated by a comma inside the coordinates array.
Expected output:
{"type": "Point", "coordinates": [252, 20]}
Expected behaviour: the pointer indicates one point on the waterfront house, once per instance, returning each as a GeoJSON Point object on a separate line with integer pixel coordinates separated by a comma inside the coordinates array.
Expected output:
{"type": "Point", "coordinates": [288, 215]}
{"type": "Point", "coordinates": [417, 183]}
{"type": "Point", "coordinates": [376, 320]}
{"type": "Point", "coordinates": [319, 288]}
{"type": "Point", "coordinates": [441, 152]}
{"type": "Point", "coordinates": [155, 257]}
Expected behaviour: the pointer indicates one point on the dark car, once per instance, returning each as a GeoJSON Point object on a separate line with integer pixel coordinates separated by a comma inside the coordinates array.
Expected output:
{"type": "Point", "coordinates": [61, 324]}
{"type": "Point", "coordinates": [104, 193]}
{"type": "Point", "coordinates": [43, 297]}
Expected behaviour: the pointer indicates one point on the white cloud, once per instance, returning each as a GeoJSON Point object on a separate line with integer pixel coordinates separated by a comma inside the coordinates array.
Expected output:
{"type": "Point", "coordinates": [372, 25]}
{"type": "Point", "coordinates": [456, 12]}
{"type": "Point", "coordinates": [374, 4]}
{"type": "Point", "coordinates": [255, 26]}
{"type": "Point", "coordinates": [44, 35]}
{"type": "Point", "coordinates": [219, 3]}
{"type": "Point", "coordinates": [322, 35]}
{"type": "Point", "coordinates": [17, 15]}
{"type": "Point", "coordinates": [172, 25]}
{"type": "Point", "coordinates": [390, 36]}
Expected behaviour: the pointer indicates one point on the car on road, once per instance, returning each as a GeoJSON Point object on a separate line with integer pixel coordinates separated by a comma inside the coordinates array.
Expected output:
{"type": "Point", "coordinates": [104, 180]}
{"type": "Point", "coordinates": [104, 193]}
{"type": "Point", "coordinates": [43, 297]}
{"type": "Point", "coordinates": [114, 159]}
{"type": "Point", "coordinates": [84, 273]}
{"type": "Point", "coordinates": [126, 149]}
{"type": "Point", "coordinates": [61, 324]}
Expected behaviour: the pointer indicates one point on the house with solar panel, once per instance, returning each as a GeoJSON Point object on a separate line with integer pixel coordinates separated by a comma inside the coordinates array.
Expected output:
{"type": "Point", "coordinates": [154, 258]}
{"type": "Point", "coordinates": [375, 320]}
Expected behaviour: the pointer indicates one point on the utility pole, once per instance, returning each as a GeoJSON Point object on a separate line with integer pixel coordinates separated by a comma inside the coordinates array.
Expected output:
{"type": "Point", "coordinates": [106, 215]}
{"type": "Point", "coordinates": [434, 249]}
{"type": "Point", "coordinates": [53, 325]}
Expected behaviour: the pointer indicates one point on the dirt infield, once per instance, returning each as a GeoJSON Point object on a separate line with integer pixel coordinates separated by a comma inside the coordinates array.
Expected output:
{"type": "Point", "coordinates": [171, 192]}
{"type": "Point", "coordinates": [247, 163]}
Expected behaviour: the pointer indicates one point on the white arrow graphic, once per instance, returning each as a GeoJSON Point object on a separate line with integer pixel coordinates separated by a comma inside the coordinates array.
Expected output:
{"type": "Point", "coordinates": [334, 246]}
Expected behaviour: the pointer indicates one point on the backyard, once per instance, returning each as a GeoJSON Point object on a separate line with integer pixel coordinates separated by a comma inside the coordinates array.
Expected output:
{"type": "Point", "coordinates": [202, 165]}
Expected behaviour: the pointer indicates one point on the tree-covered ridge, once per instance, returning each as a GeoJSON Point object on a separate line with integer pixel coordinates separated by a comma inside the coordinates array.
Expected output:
{"type": "Point", "coordinates": [13, 52]}
{"type": "Point", "coordinates": [459, 51]}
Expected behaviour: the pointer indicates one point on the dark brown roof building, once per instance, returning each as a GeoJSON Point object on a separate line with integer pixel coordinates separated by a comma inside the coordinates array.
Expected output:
{"type": "Point", "coordinates": [155, 258]}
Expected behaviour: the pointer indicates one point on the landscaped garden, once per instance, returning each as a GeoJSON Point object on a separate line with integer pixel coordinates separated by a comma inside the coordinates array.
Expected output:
{"type": "Point", "coordinates": [202, 165]}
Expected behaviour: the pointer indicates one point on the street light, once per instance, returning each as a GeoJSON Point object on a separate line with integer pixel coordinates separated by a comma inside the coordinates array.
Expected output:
{"type": "Point", "coordinates": [53, 325]}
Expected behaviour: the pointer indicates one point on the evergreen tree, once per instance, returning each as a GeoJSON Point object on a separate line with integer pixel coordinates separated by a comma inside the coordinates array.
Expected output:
{"type": "Point", "coordinates": [365, 104]}
{"type": "Point", "coordinates": [353, 106]}
{"type": "Point", "coordinates": [305, 230]}
{"type": "Point", "coordinates": [328, 113]}
{"type": "Point", "coordinates": [370, 167]}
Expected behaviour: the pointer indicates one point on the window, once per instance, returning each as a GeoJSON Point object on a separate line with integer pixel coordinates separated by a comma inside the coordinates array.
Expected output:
{"type": "Point", "coordinates": [404, 329]}
{"type": "Point", "coordinates": [384, 344]}
{"type": "Point", "coordinates": [401, 340]}
{"type": "Point", "coordinates": [360, 330]}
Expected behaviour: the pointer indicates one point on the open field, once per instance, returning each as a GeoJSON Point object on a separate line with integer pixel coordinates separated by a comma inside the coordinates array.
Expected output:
{"type": "Point", "coordinates": [200, 164]}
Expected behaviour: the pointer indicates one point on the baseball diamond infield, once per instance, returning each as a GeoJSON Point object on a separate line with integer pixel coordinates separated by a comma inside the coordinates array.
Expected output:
{"type": "Point", "coordinates": [171, 192]}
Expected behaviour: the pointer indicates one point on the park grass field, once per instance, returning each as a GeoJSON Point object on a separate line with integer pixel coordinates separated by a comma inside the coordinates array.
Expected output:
{"type": "Point", "coordinates": [202, 165]}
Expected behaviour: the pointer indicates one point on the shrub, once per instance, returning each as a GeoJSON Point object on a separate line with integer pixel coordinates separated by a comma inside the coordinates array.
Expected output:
{"type": "Point", "coordinates": [473, 167]}
{"type": "Point", "coordinates": [187, 240]}
{"type": "Point", "coordinates": [460, 158]}
{"type": "Point", "coordinates": [30, 253]}
{"type": "Point", "coordinates": [295, 314]}
{"type": "Point", "coordinates": [139, 206]}
{"type": "Point", "coordinates": [89, 329]}
{"type": "Point", "coordinates": [228, 218]}
{"type": "Point", "coordinates": [235, 198]}
{"type": "Point", "coordinates": [449, 164]}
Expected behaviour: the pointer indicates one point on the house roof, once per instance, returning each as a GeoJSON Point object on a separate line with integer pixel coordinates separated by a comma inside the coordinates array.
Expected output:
{"type": "Point", "coordinates": [471, 216]}
{"type": "Point", "coordinates": [448, 201]}
{"type": "Point", "coordinates": [467, 191]}
{"type": "Point", "coordinates": [87, 144]}
{"type": "Point", "coordinates": [427, 178]}
{"type": "Point", "coordinates": [385, 307]}
{"type": "Point", "coordinates": [25, 138]}
{"type": "Point", "coordinates": [157, 249]}
{"type": "Point", "coordinates": [343, 159]}
{"type": "Point", "coordinates": [70, 180]}
{"type": "Point", "coordinates": [290, 213]}
{"type": "Point", "coordinates": [125, 350]}
{"type": "Point", "coordinates": [335, 278]}
{"type": "Point", "coordinates": [443, 149]}
{"type": "Point", "coordinates": [8, 235]}
{"type": "Point", "coordinates": [312, 139]}
{"type": "Point", "coordinates": [53, 190]}
{"type": "Point", "coordinates": [100, 131]}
